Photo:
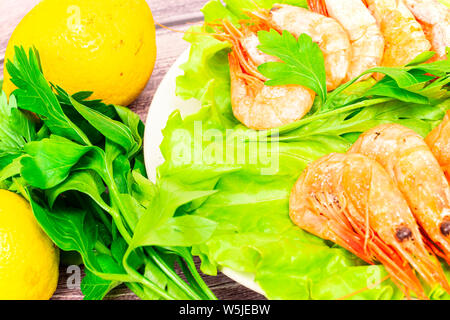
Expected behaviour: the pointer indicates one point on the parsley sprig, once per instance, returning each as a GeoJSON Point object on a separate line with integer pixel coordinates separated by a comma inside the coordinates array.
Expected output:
{"type": "Point", "coordinates": [80, 164]}
{"type": "Point", "coordinates": [302, 63]}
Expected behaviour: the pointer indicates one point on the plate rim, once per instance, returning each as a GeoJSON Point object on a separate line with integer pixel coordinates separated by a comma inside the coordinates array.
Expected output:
{"type": "Point", "coordinates": [153, 138]}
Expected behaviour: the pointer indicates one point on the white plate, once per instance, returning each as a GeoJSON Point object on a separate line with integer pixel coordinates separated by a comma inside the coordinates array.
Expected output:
{"type": "Point", "coordinates": [164, 103]}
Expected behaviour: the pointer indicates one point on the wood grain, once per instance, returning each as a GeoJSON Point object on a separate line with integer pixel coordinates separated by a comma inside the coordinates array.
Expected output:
{"type": "Point", "coordinates": [178, 14]}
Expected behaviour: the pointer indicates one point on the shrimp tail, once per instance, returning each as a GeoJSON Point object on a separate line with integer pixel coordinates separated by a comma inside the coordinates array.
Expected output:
{"type": "Point", "coordinates": [318, 6]}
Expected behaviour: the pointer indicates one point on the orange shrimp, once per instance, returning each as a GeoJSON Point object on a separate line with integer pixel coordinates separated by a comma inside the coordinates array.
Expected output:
{"type": "Point", "coordinates": [254, 104]}
{"type": "Point", "coordinates": [351, 200]}
{"type": "Point", "coordinates": [403, 35]}
{"type": "Point", "coordinates": [326, 32]}
{"type": "Point", "coordinates": [366, 39]}
{"type": "Point", "coordinates": [435, 20]}
{"type": "Point", "coordinates": [439, 142]}
{"type": "Point", "coordinates": [410, 163]}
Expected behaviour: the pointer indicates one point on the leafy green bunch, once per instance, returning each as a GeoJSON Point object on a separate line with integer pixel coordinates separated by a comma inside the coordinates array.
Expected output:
{"type": "Point", "coordinates": [80, 164]}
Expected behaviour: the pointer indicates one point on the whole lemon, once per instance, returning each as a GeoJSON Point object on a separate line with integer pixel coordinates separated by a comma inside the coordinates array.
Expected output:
{"type": "Point", "coordinates": [28, 258]}
{"type": "Point", "coordinates": [104, 46]}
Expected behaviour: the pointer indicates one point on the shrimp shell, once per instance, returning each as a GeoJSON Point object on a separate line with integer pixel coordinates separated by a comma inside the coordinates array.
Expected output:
{"type": "Point", "coordinates": [403, 35]}
{"type": "Point", "coordinates": [408, 160]}
{"type": "Point", "coordinates": [254, 104]}
{"type": "Point", "coordinates": [326, 32]}
{"type": "Point", "coordinates": [435, 20]}
{"type": "Point", "coordinates": [350, 200]}
{"type": "Point", "coordinates": [439, 142]}
{"type": "Point", "coordinates": [365, 35]}
{"type": "Point", "coordinates": [262, 107]}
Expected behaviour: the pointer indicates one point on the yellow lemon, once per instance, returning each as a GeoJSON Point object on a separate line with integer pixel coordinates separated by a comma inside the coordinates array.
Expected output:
{"type": "Point", "coordinates": [28, 258]}
{"type": "Point", "coordinates": [104, 46]}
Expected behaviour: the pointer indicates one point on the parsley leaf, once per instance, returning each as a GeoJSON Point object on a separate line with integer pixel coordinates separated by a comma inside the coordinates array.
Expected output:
{"type": "Point", "coordinates": [16, 129]}
{"type": "Point", "coordinates": [302, 61]}
{"type": "Point", "coordinates": [35, 95]}
{"type": "Point", "coordinates": [90, 194]}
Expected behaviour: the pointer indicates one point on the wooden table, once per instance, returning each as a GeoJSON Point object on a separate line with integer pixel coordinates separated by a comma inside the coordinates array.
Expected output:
{"type": "Point", "coordinates": [178, 14]}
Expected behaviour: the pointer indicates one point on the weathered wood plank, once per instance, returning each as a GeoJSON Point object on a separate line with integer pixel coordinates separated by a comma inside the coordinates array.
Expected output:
{"type": "Point", "coordinates": [223, 287]}
{"type": "Point", "coordinates": [169, 45]}
{"type": "Point", "coordinates": [167, 12]}
{"type": "Point", "coordinates": [11, 12]}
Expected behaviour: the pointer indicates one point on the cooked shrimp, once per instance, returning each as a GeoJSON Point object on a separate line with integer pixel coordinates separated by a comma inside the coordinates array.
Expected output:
{"type": "Point", "coordinates": [254, 104]}
{"type": "Point", "coordinates": [326, 32]}
{"type": "Point", "coordinates": [366, 39]}
{"type": "Point", "coordinates": [351, 200]}
{"type": "Point", "coordinates": [403, 35]}
{"type": "Point", "coordinates": [410, 163]}
{"type": "Point", "coordinates": [439, 142]}
{"type": "Point", "coordinates": [435, 20]}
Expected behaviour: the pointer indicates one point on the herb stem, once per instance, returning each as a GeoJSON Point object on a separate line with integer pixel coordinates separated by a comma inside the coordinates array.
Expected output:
{"type": "Point", "coordinates": [189, 277]}
{"type": "Point", "coordinates": [193, 270]}
{"type": "Point", "coordinates": [137, 277]}
{"type": "Point", "coordinates": [115, 195]}
{"type": "Point", "coordinates": [137, 289]}
{"type": "Point", "coordinates": [171, 274]}
{"type": "Point", "coordinates": [296, 125]}
{"type": "Point", "coordinates": [101, 214]}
